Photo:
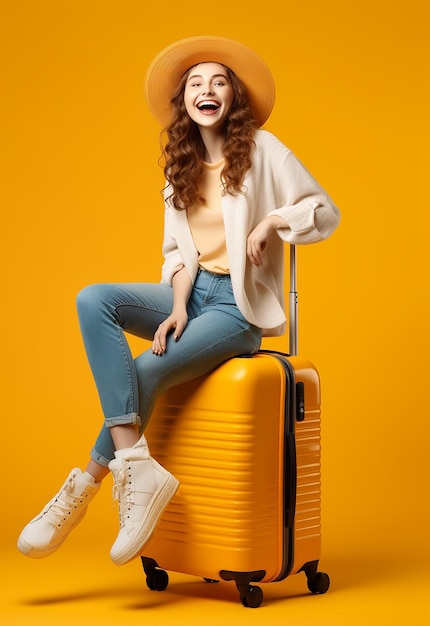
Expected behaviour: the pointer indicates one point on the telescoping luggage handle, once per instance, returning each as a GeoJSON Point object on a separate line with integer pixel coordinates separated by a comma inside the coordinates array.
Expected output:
{"type": "Point", "coordinates": [293, 338]}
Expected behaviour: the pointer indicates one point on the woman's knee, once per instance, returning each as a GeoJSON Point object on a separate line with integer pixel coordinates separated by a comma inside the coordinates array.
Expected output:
{"type": "Point", "coordinates": [92, 298]}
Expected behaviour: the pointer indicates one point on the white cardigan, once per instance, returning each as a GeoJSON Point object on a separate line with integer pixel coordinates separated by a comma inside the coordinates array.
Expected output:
{"type": "Point", "coordinates": [276, 184]}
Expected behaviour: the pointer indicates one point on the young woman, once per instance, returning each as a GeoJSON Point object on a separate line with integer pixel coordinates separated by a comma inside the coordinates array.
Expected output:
{"type": "Point", "coordinates": [234, 194]}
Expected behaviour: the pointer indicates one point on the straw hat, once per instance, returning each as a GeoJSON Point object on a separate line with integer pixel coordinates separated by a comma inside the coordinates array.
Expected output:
{"type": "Point", "coordinates": [166, 70]}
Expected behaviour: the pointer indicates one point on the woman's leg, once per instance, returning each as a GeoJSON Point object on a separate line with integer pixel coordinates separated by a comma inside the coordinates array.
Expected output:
{"type": "Point", "coordinates": [104, 311]}
{"type": "Point", "coordinates": [98, 472]}
{"type": "Point", "coordinates": [216, 332]}
{"type": "Point", "coordinates": [142, 487]}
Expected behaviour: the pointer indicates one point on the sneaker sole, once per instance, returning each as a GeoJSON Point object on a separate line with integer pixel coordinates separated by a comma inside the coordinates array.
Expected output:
{"type": "Point", "coordinates": [39, 553]}
{"type": "Point", "coordinates": [149, 523]}
{"type": "Point", "coordinates": [32, 552]}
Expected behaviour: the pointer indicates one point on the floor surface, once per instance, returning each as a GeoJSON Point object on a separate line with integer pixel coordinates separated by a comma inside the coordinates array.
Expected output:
{"type": "Point", "coordinates": [84, 587]}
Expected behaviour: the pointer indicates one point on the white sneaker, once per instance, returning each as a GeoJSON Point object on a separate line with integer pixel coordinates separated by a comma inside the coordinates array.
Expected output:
{"type": "Point", "coordinates": [144, 489]}
{"type": "Point", "coordinates": [46, 532]}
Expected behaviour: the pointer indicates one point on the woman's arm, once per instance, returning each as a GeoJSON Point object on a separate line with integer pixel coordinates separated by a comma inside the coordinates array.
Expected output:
{"type": "Point", "coordinates": [177, 320]}
{"type": "Point", "coordinates": [257, 240]}
{"type": "Point", "coordinates": [173, 261]}
{"type": "Point", "coordinates": [308, 212]}
{"type": "Point", "coordinates": [286, 189]}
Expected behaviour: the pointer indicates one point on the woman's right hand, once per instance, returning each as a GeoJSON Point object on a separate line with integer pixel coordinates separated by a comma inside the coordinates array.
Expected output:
{"type": "Point", "coordinates": [175, 323]}
{"type": "Point", "coordinates": [178, 318]}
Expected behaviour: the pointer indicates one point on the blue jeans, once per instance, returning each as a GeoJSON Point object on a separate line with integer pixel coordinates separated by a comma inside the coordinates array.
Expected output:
{"type": "Point", "coordinates": [128, 387]}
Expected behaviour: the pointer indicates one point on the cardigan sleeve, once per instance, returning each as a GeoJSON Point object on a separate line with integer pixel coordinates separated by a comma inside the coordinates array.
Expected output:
{"type": "Point", "coordinates": [308, 211]}
{"type": "Point", "coordinates": [173, 261]}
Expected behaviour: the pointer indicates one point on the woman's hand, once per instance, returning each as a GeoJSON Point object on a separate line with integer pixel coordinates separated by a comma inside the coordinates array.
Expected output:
{"type": "Point", "coordinates": [178, 318]}
{"type": "Point", "coordinates": [176, 322]}
{"type": "Point", "coordinates": [257, 240]}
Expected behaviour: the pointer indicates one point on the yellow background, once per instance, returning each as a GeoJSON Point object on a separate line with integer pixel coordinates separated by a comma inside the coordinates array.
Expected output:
{"type": "Point", "coordinates": [80, 203]}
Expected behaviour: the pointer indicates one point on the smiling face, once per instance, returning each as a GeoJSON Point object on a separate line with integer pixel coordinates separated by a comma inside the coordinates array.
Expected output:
{"type": "Point", "coordinates": [208, 95]}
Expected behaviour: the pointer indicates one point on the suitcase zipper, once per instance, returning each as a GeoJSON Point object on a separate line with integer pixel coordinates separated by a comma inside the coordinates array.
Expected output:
{"type": "Point", "coordinates": [294, 407]}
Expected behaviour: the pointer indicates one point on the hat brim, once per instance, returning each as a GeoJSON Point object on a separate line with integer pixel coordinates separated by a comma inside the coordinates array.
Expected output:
{"type": "Point", "coordinates": [166, 70]}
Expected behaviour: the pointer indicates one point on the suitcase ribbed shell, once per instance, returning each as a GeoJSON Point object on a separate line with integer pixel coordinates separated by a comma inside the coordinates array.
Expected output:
{"type": "Point", "coordinates": [222, 436]}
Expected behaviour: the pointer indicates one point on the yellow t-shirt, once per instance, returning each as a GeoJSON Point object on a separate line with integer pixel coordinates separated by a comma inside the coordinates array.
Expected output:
{"type": "Point", "coordinates": [206, 221]}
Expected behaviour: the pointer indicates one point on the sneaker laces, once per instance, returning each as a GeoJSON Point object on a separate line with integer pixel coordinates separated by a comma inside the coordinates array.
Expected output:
{"type": "Point", "coordinates": [122, 492]}
{"type": "Point", "coordinates": [64, 503]}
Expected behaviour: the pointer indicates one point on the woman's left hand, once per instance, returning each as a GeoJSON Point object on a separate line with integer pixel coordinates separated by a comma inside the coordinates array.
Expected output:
{"type": "Point", "coordinates": [257, 240]}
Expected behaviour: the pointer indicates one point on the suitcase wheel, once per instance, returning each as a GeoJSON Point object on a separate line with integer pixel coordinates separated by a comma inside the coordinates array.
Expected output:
{"type": "Point", "coordinates": [319, 583]}
{"type": "Point", "coordinates": [250, 595]}
{"type": "Point", "coordinates": [157, 579]}
{"type": "Point", "coordinates": [253, 597]}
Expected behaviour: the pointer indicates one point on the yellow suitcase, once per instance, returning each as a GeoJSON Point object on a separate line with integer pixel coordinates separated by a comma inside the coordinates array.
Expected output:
{"type": "Point", "coordinates": [244, 442]}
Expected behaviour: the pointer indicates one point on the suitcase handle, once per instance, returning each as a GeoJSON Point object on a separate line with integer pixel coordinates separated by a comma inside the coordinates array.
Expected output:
{"type": "Point", "coordinates": [293, 304]}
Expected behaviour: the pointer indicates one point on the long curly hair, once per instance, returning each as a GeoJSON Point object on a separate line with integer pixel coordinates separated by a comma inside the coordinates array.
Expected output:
{"type": "Point", "coordinates": [184, 149]}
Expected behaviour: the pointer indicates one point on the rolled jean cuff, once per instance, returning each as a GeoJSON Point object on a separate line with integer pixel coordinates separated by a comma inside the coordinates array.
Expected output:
{"type": "Point", "coordinates": [123, 420]}
{"type": "Point", "coordinates": [98, 458]}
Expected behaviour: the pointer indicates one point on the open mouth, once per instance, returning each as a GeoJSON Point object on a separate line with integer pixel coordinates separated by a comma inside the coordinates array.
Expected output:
{"type": "Point", "coordinates": [208, 105]}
